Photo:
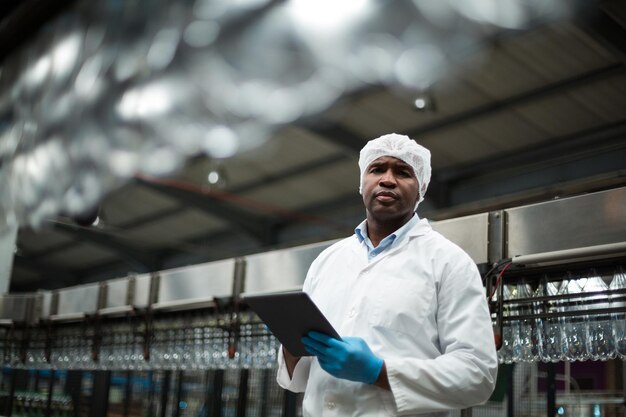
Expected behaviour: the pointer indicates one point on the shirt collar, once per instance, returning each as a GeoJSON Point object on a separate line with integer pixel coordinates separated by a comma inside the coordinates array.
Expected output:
{"type": "Point", "coordinates": [361, 230]}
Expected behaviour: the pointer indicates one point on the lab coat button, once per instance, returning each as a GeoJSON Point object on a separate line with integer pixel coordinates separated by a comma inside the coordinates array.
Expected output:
{"type": "Point", "coordinates": [352, 313]}
{"type": "Point", "coordinates": [330, 405]}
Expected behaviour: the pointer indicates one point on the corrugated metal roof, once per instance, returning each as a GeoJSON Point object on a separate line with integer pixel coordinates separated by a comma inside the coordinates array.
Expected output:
{"type": "Point", "coordinates": [506, 111]}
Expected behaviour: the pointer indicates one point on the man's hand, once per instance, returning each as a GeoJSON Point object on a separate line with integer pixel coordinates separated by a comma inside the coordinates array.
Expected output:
{"type": "Point", "coordinates": [349, 358]}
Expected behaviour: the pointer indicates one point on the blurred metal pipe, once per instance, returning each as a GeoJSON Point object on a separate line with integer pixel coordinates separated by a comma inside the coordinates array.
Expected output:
{"type": "Point", "coordinates": [608, 250]}
{"type": "Point", "coordinates": [8, 237]}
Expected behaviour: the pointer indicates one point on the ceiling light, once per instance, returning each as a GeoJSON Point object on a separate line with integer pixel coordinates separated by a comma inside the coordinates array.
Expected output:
{"type": "Point", "coordinates": [324, 16]}
{"type": "Point", "coordinates": [424, 102]}
{"type": "Point", "coordinates": [217, 175]}
{"type": "Point", "coordinates": [214, 177]}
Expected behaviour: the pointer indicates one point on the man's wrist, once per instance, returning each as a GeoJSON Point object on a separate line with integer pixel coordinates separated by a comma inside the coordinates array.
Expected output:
{"type": "Point", "coordinates": [383, 381]}
{"type": "Point", "coordinates": [375, 365]}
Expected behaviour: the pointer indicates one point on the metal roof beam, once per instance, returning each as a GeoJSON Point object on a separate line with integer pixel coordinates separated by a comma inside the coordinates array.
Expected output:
{"type": "Point", "coordinates": [340, 136]}
{"type": "Point", "coordinates": [607, 31]}
{"type": "Point", "coordinates": [588, 143]}
{"type": "Point", "coordinates": [500, 105]}
{"type": "Point", "coordinates": [47, 270]}
{"type": "Point", "coordinates": [566, 165]}
{"type": "Point", "coordinates": [303, 169]}
{"type": "Point", "coordinates": [351, 142]}
{"type": "Point", "coordinates": [267, 180]}
{"type": "Point", "coordinates": [142, 261]}
{"type": "Point", "coordinates": [255, 226]}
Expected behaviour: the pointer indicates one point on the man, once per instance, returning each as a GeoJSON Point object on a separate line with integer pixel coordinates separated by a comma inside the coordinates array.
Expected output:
{"type": "Point", "coordinates": [409, 304]}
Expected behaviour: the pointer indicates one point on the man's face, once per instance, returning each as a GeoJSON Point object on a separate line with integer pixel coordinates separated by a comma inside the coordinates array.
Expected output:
{"type": "Point", "coordinates": [390, 189]}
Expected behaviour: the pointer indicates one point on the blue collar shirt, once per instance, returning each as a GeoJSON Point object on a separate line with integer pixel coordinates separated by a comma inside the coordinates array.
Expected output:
{"type": "Point", "coordinates": [387, 242]}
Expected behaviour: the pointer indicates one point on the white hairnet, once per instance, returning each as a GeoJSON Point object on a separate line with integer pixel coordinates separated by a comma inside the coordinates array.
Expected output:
{"type": "Point", "coordinates": [403, 148]}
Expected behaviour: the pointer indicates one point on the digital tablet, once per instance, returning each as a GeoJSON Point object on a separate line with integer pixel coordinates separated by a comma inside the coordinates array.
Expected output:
{"type": "Point", "coordinates": [289, 316]}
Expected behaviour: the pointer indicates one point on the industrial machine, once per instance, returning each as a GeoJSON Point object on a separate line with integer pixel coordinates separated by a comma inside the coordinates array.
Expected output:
{"type": "Point", "coordinates": [181, 342]}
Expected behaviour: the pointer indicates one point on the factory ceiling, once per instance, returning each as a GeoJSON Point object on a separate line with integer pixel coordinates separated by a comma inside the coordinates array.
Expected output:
{"type": "Point", "coordinates": [530, 116]}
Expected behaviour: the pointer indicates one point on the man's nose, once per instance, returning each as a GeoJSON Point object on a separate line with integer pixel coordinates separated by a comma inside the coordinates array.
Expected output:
{"type": "Point", "coordinates": [387, 179]}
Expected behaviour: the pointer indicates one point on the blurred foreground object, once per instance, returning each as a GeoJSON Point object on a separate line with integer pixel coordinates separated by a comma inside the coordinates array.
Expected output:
{"type": "Point", "coordinates": [106, 90]}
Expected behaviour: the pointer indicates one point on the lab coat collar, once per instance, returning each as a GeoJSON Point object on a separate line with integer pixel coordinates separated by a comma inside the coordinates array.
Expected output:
{"type": "Point", "coordinates": [421, 228]}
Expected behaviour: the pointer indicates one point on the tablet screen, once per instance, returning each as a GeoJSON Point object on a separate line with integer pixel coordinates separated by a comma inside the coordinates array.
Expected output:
{"type": "Point", "coordinates": [289, 316]}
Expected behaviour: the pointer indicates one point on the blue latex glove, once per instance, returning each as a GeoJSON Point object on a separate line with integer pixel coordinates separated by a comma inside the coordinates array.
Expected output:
{"type": "Point", "coordinates": [350, 358]}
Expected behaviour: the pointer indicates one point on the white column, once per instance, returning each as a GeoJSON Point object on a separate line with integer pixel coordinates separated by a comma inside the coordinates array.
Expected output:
{"type": "Point", "coordinates": [8, 237]}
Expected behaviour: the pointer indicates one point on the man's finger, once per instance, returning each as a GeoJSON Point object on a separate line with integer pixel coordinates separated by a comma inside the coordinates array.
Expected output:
{"type": "Point", "coordinates": [321, 354]}
{"type": "Point", "coordinates": [314, 342]}
{"type": "Point", "coordinates": [313, 351]}
{"type": "Point", "coordinates": [320, 337]}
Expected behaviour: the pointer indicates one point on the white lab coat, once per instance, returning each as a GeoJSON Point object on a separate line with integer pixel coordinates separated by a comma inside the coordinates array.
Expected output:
{"type": "Point", "coordinates": [420, 306]}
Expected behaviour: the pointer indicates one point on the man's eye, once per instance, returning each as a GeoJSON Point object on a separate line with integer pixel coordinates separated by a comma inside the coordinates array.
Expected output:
{"type": "Point", "coordinates": [375, 169]}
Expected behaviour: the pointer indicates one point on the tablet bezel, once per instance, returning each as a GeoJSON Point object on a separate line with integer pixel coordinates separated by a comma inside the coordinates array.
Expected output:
{"type": "Point", "coordinates": [289, 316]}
